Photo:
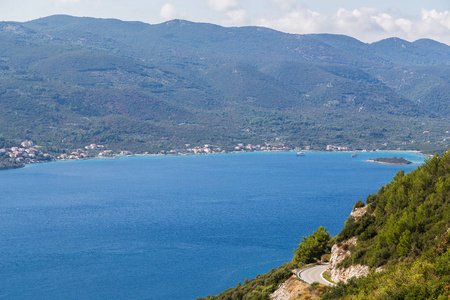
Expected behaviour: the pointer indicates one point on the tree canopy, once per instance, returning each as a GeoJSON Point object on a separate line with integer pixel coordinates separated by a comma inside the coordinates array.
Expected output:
{"type": "Point", "coordinates": [311, 248]}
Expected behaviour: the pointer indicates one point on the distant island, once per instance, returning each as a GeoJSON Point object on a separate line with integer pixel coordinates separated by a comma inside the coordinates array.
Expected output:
{"type": "Point", "coordinates": [391, 161]}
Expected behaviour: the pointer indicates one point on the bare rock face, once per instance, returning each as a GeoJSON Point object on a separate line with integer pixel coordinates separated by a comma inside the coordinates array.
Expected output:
{"type": "Point", "coordinates": [345, 274]}
{"type": "Point", "coordinates": [289, 290]}
{"type": "Point", "coordinates": [359, 212]}
{"type": "Point", "coordinates": [338, 254]}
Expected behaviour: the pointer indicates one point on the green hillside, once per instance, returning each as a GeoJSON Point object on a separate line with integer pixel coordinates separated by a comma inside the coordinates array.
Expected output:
{"type": "Point", "coordinates": [406, 232]}
{"type": "Point", "coordinates": [66, 82]}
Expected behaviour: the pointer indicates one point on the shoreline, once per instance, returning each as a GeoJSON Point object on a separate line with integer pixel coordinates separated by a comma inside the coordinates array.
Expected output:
{"type": "Point", "coordinates": [115, 156]}
{"type": "Point", "coordinates": [224, 153]}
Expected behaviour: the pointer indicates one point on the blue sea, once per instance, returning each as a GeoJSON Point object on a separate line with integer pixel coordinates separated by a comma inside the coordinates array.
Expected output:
{"type": "Point", "coordinates": [177, 227]}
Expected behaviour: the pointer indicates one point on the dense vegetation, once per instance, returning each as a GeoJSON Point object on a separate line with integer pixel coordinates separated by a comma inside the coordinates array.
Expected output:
{"type": "Point", "coordinates": [7, 163]}
{"type": "Point", "coordinates": [407, 216]}
{"type": "Point", "coordinates": [406, 232]}
{"type": "Point", "coordinates": [66, 82]}
{"type": "Point", "coordinates": [312, 248]}
{"type": "Point", "coordinates": [392, 160]}
{"type": "Point", "coordinates": [420, 279]}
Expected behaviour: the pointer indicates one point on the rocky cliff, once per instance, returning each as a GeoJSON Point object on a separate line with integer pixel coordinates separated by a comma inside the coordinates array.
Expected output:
{"type": "Point", "coordinates": [358, 212]}
{"type": "Point", "coordinates": [342, 250]}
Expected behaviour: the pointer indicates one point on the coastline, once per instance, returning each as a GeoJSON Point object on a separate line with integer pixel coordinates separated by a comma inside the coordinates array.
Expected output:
{"type": "Point", "coordinates": [116, 156]}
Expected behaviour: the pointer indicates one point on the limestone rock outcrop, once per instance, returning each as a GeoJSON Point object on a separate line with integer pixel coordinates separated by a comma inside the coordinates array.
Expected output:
{"type": "Point", "coordinates": [359, 212]}
{"type": "Point", "coordinates": [343, 274]}
{"type": "Point", "coordinates": [341, 251]}
{"type": "Point", "coordinates": [289, 290]}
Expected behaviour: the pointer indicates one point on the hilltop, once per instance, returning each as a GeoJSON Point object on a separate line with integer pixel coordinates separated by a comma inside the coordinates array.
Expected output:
{"type": "Point", "coordinates": [66, 82]}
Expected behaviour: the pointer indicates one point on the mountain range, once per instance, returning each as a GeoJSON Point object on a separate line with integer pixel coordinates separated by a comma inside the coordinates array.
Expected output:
{"type": "Point", "coordinates": [68, 81]}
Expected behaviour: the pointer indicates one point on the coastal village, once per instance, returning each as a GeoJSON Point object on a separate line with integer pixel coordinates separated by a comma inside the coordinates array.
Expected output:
{"type": "Point", "coordinates": [210, 149]}
{"type": "Point", "coordinates": [29, 152]}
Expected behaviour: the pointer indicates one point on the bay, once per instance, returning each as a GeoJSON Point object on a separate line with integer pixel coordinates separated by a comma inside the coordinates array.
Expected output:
{"type": "Point", "coordinates": [178, 227]}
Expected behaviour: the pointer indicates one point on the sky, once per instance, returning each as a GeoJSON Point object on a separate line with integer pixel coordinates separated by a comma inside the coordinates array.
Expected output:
{"type": "Point", "coordinates": [365, 20]}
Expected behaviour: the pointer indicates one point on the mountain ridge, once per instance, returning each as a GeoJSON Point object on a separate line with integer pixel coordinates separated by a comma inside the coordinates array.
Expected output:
{"type": "Point", "coordinates": [237, 84]}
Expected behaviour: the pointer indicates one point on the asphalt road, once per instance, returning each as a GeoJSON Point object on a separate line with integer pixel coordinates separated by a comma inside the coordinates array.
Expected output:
{"type": "Point", "coordinates": [313, 274]}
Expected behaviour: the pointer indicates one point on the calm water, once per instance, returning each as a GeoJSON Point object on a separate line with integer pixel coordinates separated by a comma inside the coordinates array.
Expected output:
{"type": "Point", "coordinates": [169, 227]}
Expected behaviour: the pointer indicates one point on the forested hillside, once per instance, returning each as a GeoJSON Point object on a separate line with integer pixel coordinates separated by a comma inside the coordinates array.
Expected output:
{"type": "Point", "coordinates": [406, 232]}
{"type": "Point", "coordinates": [66, 82]}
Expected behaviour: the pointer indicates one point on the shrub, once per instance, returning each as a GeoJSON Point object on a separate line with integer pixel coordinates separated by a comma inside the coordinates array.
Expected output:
{"type": "Point", "coordinates": [311, 248]}
{"type": "Point", "coordinates": [443, 264]}
{"type": "Point", "coordinates": [404, 244]}
{"type": "Point", "coordinates": [379, 257]}
{"type": "Point", "coordinates": [358, 204]}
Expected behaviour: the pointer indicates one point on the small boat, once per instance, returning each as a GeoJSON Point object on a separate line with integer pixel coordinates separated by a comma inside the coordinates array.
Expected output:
{"type": "Point", "coordinates": [301, 153]}
{"type": "Point", "coordinates": [354, 155]}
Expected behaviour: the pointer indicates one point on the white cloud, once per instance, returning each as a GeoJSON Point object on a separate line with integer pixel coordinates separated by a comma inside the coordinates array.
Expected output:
{"type": "Point", "coordinates": [404, 24]}
{"type": "Point", "coordinates": [299, 20]}
{"type": "Point", "coordinates": [232, 11]}
{"type": "Point", "coordinates": [168, 12]}
{"type": "Point", "coordinates": [434, 23]}
{"type": "Point", "coordinates": [442, 18]}
{"type": "Point", "coordinates": [365, 23]}
{"type": "Point", "coordinates": [223, 5]}
{"type": "Point", "coordinates": [237, 17]}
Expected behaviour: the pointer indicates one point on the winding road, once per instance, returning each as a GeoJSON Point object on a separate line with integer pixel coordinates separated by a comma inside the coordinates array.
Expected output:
{"type": "Point", "coordinates": [313, 274]}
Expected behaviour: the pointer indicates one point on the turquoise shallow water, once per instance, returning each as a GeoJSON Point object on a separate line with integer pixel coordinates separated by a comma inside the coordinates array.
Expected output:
{"type": "Point", "coordinates": [170, 227]}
